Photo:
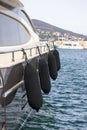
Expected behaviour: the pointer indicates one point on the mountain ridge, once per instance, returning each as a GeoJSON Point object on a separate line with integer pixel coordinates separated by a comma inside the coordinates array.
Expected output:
{"type": "Point", "coordinates": [48, 27]}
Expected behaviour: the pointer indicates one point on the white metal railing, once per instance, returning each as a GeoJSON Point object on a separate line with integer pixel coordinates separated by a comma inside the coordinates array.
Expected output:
{"type": "Point", "coordinates": [37, 50]}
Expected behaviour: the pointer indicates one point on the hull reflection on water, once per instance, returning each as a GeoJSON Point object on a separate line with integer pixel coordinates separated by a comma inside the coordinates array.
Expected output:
{"type": "Point", "coordinates": [15, 114]}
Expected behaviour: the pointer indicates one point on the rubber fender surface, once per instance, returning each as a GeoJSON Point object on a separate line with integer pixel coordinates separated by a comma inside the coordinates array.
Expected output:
{"type": "Point", "coordinates": [52, 65]}
{"type": "Point", "coordinates": [57, 57]}
{"type": "Point", "coordinates": [32, 86]}
{"type": "Point", "coordinates": [44, 76]}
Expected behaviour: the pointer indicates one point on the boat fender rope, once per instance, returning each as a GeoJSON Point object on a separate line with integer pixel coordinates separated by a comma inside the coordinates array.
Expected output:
{"type": "Point", "coordinates": [38, 51]}
{"type": "Point", "coordinates": [13, 58]}
{"type": "Point", "coordinates": [48, 47]}
{"type": "Point", "coordinates": [24, 54]}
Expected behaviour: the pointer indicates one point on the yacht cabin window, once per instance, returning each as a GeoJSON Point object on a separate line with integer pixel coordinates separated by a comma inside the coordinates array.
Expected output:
{"type": "Point", "coordinates": [12, 33]}
{"type": "Point", "coordinates": [25, 16]}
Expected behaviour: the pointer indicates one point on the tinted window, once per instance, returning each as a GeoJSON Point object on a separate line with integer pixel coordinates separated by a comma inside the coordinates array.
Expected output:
{"type": "Point", "coordinates": [25, 16]}
{"type": "Point", "coordinates": [11, 32]}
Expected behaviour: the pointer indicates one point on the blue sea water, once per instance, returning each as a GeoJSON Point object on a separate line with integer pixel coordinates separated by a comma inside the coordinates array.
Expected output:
{"type": "Point", "coordinates": [65, 108]}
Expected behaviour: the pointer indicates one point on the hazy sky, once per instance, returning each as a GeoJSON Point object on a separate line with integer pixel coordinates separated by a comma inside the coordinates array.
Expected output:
{"type": "Point", "coordinates": [66, 14]}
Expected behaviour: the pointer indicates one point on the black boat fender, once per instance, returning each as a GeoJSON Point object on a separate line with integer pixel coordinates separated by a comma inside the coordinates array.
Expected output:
{"type": "Point", "coordinates": [44, 75]}
{"type": "Point", "coordinates": [57, 57]}
{"type": "Point", "coordinates": [52, 65]}
{"type": "Point", "coordinates": [32, 86]}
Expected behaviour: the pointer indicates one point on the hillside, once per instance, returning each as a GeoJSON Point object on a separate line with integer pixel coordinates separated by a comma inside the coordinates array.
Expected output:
{"type": "Point", "coordinates": [40, 25]}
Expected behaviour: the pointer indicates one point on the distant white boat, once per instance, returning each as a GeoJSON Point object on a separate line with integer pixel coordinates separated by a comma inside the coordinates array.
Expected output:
{"type": "Point", "coordinates": [70, 45]}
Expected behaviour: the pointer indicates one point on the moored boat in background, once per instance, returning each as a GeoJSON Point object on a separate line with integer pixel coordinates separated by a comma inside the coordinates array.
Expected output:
{"type": "Point", "coordinates": [70, 45]}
